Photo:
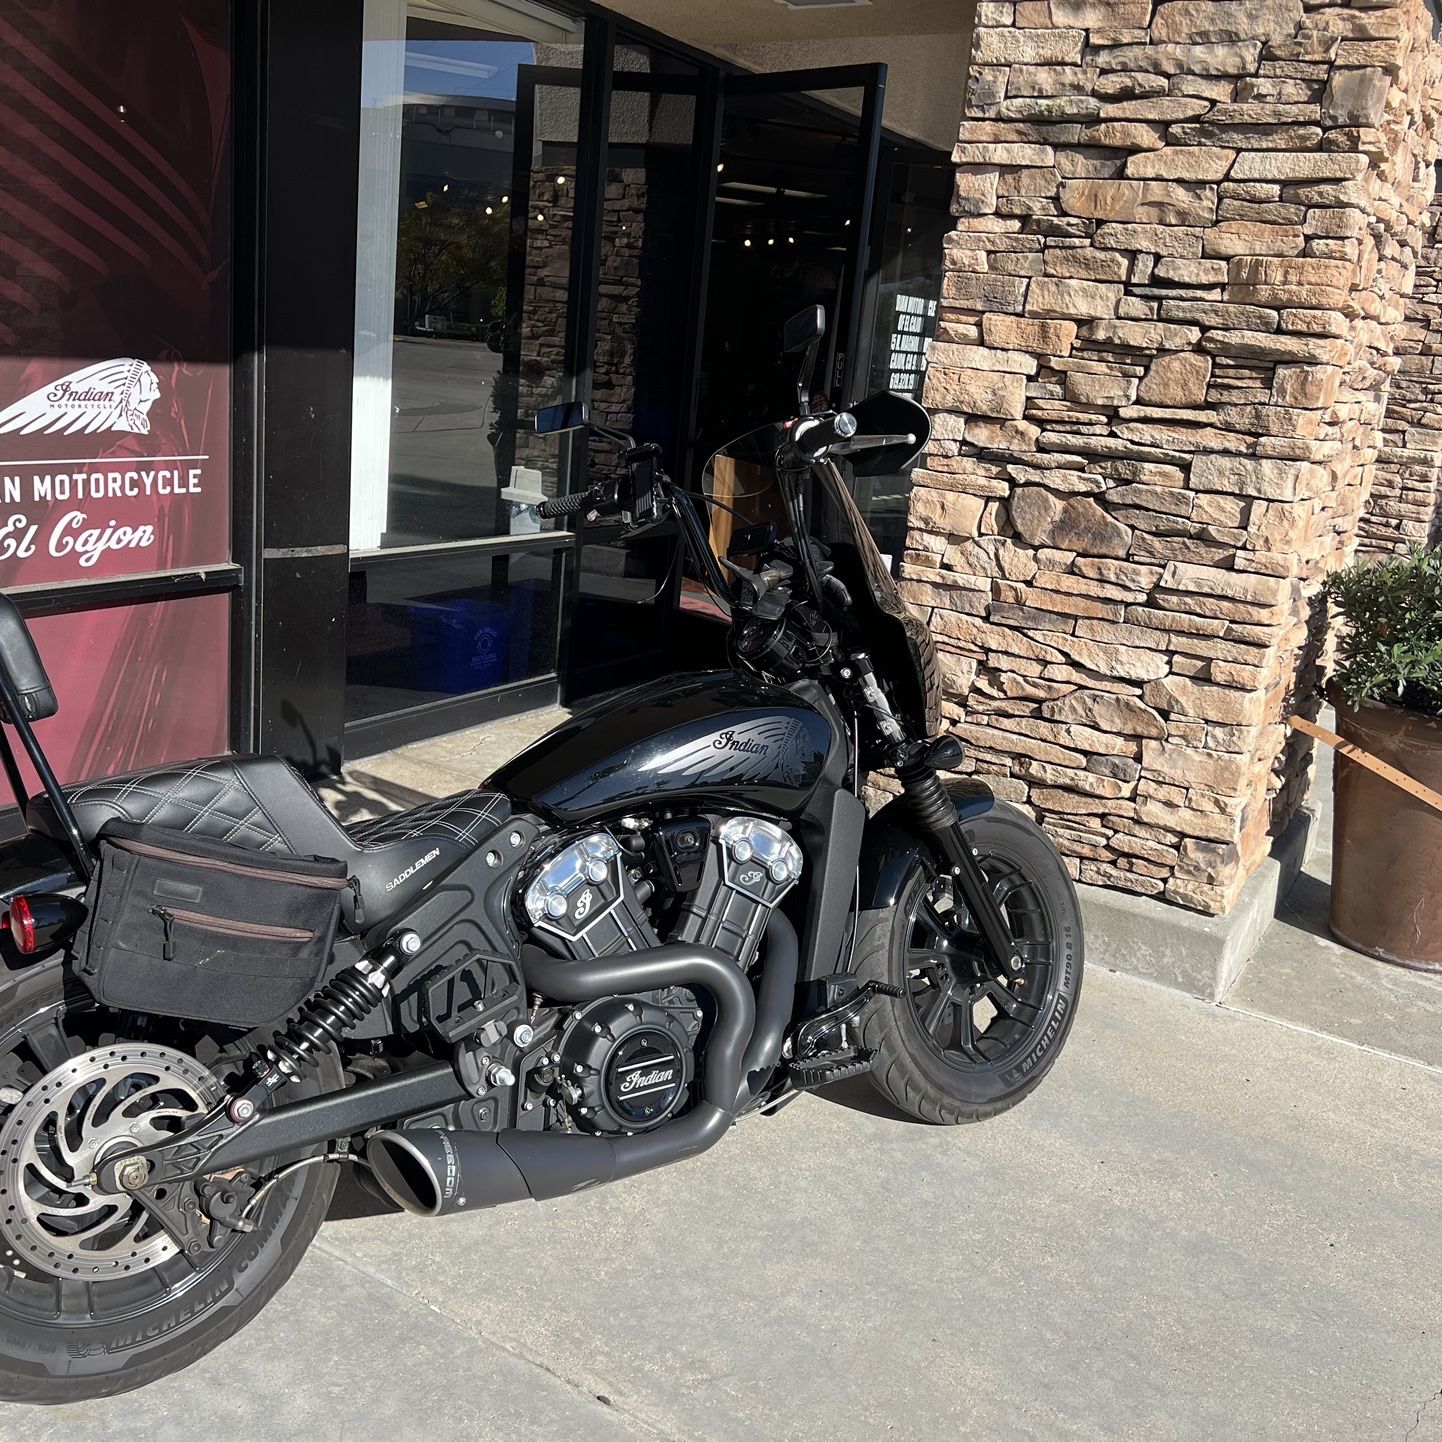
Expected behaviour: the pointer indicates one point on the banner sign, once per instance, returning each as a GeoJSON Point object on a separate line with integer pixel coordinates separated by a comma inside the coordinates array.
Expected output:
{"type": "Point", "coordinates": [137, 685]}
{"type": "Point", "coordinates": [115, 356]}
{"type": "Point", "coordinates": [114, 288]}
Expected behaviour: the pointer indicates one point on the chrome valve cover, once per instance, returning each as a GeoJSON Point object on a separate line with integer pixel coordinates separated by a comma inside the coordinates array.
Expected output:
{"type": "Point", "coordinates": [761, 859]}
{"type": "Point", "coordinates": [583, 899]}
{"type": "Point", "coordinates": [753, 863]}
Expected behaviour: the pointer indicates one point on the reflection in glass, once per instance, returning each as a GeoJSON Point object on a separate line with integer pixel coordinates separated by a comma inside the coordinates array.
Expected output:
{"type": "Point", "coordinates": [462, 258]}
{"type": "Point", "coordinates": [916, 216]}
{"type": "Point", "coordinates": [425, 628]}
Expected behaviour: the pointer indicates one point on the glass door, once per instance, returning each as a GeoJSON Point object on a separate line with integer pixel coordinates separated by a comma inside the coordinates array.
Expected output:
{"type": "Point", "coordinates": [620, 603]}
{"type": "Point", "coordinates": [793, 181]}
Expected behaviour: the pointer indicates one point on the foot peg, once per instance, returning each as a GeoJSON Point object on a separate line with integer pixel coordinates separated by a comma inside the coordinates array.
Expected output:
{"type": "Point", "coordinates": [820, 1071]}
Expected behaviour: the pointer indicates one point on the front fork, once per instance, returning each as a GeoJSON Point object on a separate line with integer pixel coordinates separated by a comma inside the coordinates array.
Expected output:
{"type": "Point", "coordinates": [915, 763]}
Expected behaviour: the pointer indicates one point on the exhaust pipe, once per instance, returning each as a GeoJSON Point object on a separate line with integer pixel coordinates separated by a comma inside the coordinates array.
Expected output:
{"type": "Point", "coordinates": [432, 1172]}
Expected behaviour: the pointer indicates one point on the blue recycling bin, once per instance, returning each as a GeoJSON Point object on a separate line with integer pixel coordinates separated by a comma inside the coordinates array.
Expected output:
{"type": "Point", "coordinates": [459, 645]}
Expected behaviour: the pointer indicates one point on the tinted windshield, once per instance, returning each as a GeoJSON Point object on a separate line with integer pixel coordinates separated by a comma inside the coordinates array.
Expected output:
{"type": "Point", "coordinates": [742, 487]}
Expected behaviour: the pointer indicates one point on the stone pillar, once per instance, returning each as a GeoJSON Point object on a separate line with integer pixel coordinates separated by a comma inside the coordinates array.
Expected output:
{"type": "Point", "coordinates": [1402, 508]}
{"type": "Point", "coordinates": [1183, 236]}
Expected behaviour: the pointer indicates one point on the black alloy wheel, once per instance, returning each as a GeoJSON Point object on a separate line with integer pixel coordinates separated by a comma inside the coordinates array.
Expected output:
{"type": "Point", "coordinates": [974, 1012]}
{"type": "Point", "coordinates": [968, 1038]}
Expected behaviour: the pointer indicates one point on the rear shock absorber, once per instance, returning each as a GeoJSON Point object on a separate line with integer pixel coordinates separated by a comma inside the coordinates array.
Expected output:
{"type": "Point", "coordinates": [337, 1008]}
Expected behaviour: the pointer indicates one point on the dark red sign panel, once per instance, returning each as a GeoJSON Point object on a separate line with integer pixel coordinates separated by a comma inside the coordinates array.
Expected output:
{"type": "Point", "coordinates": [115, 299]}
{"type": "Point", "coordinates": [137, 685]}
{"type": "Point", "coordinates": [114, 288]}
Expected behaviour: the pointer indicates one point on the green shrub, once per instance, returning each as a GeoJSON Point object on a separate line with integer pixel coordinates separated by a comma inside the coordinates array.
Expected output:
{"type": "Point", "coordinates": [1390, 647]}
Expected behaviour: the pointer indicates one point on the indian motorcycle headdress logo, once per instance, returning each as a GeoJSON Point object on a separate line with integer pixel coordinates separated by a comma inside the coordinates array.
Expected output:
{"type": "Point", "coordinates": [111, 395]}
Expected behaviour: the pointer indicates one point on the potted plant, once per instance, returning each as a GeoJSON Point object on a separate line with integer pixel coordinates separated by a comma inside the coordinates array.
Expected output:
{"type": "Point", "coordinates": [1387, 688]}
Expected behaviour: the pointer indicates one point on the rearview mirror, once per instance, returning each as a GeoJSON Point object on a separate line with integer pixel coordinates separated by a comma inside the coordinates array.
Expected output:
{"type": "Point", "coordinates": [804, 328]}
{"type": "Point", "coordinates": [568, 416]}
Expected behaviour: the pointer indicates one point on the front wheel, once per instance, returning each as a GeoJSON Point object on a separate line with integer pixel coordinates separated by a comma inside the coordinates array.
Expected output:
{"type": "Point", "coordinates": [965, 1041]}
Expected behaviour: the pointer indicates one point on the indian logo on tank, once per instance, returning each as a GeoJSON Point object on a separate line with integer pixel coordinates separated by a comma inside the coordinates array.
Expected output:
{"type": "Point", "coordinates": [773, 747]}
{"type": "Point", "coordinates": [111, 395]}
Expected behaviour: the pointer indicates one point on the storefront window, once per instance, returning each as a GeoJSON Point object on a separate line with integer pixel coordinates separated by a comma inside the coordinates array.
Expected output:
{"type": "Point", "coordinates": [428, 628]}
{"type": "Point", "coordinates": [467, 167]}
{"type": "Point", "coordinates": [468, 177]}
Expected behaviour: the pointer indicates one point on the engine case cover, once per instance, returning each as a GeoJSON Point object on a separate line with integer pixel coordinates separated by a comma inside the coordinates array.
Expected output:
{"type": "Point", "coordinates": [629, 1064]}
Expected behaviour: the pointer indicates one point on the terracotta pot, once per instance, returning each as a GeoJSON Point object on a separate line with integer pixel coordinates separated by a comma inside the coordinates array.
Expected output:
{"type": "Point", "coordinates": [1387, 845]}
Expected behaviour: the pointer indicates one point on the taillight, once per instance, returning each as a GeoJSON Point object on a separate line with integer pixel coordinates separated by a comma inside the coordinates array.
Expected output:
{"type": "Point", "coordinates": [42, 920]}
{"type": "Point", "coordinates": [21, 921]}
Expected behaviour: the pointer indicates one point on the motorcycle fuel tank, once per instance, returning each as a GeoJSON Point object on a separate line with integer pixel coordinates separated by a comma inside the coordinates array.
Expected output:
{"type": "Point", "coordinates": [692, 739]}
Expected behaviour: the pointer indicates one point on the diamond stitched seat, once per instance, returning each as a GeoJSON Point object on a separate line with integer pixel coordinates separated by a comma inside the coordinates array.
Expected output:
{"type": "Point", "coordinates": [260, 803]}
{"type": "Point", "coordinates": [467, 818]}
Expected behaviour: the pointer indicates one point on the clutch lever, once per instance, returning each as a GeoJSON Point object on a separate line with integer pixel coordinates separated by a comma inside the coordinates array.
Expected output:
{"type": "Point", "coordinates": [868, 443]}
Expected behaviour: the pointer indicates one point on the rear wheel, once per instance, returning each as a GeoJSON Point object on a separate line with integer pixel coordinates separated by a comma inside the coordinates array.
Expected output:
{"type": "Point", "coordinates": [95, 1297]}
{"type": "Point", "coordinates": [966, 1040]}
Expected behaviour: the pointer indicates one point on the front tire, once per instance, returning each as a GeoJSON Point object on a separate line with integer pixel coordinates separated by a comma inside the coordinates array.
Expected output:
{"type": "Point", "coordinates": [962, 1044]}
{"type": "Point", "coordinates": [67, 1341]}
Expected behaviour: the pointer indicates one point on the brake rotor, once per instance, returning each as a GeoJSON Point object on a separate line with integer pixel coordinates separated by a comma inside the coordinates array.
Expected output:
{"type": "Point", "coordinates": [89, 1110]}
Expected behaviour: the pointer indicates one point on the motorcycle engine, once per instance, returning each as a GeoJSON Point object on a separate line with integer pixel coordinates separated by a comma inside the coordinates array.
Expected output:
{"type": "Point", "coordinates": [708, 880]}
{"type": "Point", "coordinates": [627, 1062]}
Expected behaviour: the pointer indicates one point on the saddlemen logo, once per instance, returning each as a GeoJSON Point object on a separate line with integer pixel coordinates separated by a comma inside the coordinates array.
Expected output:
{"type": "Point", "coordinates": [410, 871]}
{"type": "Point", "coordinates": [647, 1080]}
{"type": "Point", "coordinates": [111, 395]}
{"type": "Point", "coordinates": [775, 748]}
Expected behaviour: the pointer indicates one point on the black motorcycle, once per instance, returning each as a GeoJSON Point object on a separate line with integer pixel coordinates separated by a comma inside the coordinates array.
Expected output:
{"type": "Point", "coordinates": [671, 913]}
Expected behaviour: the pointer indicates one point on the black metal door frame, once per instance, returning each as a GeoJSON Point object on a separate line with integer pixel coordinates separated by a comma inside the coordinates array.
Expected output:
{"type": "Point", "coordinates": [859, 277]}
{"type": "Point", "coordinates": [597, 79]}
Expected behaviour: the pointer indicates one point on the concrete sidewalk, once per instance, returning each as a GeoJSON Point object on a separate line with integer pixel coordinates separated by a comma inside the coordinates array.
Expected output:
{"type": "Point", "coordinates": [1204, 1225]}
{"type": "Point", "coordinates": [1211, 1222]}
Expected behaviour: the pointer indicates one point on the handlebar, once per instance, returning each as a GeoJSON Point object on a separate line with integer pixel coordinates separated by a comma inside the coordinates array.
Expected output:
{"type": "Point", "coordinates": [871, 443]}
{"type": "Point", "coordinates": [559, 506]}
{"type": "Point", "coordinates": [814, 436]}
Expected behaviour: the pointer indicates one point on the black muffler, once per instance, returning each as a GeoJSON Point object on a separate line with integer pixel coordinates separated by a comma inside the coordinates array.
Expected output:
{"type": "Point", "coordinates": [433, 1172]}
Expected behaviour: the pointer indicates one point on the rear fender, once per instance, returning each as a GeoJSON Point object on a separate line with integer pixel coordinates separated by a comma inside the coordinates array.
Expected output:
{"type": "Point", "coordinates": [893, 841]}
{"type": "Point", "coordinates": [34, 862]}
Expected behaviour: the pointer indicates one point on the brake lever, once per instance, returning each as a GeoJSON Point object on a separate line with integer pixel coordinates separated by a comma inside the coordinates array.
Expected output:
{"type": "Point", "coordinates": [764, 604]}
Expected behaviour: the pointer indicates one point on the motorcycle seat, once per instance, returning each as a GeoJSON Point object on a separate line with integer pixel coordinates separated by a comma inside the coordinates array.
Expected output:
{"type": "Point", "coordinates": [260, 803]}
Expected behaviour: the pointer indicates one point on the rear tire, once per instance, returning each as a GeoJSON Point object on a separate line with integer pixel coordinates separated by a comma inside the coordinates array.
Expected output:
{"type": "Point", "coordinates": [957, 1069]}
{"type": "Point", "coordinates": [132, 1334]}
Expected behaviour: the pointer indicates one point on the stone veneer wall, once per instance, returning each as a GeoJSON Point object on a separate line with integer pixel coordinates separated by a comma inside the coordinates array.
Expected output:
{"type": "Point", "coordinates": [1403, 507]}
{"type": "Point", "coordinates": [1183, 236]}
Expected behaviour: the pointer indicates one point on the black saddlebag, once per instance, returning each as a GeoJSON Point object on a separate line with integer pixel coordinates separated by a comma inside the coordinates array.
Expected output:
{"type": "Point", "coordinates": [185, 926]}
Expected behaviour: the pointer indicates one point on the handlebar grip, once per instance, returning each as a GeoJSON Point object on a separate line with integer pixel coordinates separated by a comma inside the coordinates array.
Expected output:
{"type": "Point", "coordinates": [559, 506]}
{"type": "Point", "coordinates": [812, 437]}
